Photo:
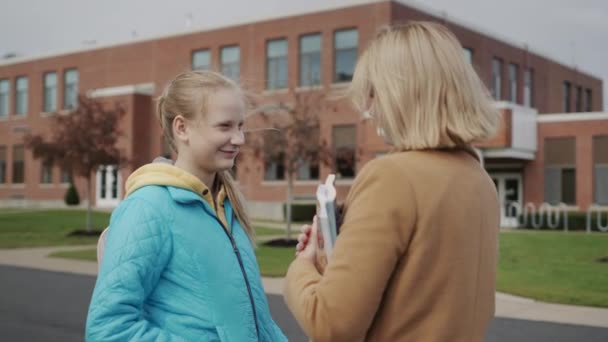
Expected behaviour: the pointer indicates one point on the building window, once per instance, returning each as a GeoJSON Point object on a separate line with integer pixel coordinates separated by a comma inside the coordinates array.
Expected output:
{"type": "Point", "coordinates": [468, 55]}
{"type": "Point", "coordinates": [70, 89]}
{"type": "Point", "coordinates": [230, 59]}
{"type": "Point", "coordinates": [308, 168]}
{"type": "Point", "coordinates": [5, 89]}
{"type": "Point", "coordinates": [588, 100]}
{"type": "Point", "coordinates": [566, 96]}
{"type": "Point", "coordinates": [201, 60]}
{"type": "Point", "coordinates": [2, 164]}
{"type": "Point", "coordinates": [276, 64]}
{"type": "Point", "coordinates": [346, 43]}
{"type": "Point", "coordinates": [310, 60]}
{"type": "Point", "coordinates": [497, 79]}
{"type": "Point", "coordinates": [529, 88]}
{"type": "Point", "coordinates": [114, 182]}
{"type": "Point", "coordinates": [18, 164]}
{"type": "Point", "coordinates": [66, 176]}
{"type": "Point", "coordinates": [578, 101]}
{"type": "Point", "coordinates": [50, 92]}
{"type": "Point", "coordinates": [46, 173]}
{"type": "Point", "coordinates": [21, 85]}
{"type": "Point", "coordinates": [274, 167]}
{"type": "Point", "coordinates": [560, 170]}
{"type": "Point", "coordinates": [513, 71]}
{"type": "Point", "coordinates": [104, 182]}
{"type": "Point", "coordinates": [344, 140]}
{"type": "Point", "coordinates": [600, 172]}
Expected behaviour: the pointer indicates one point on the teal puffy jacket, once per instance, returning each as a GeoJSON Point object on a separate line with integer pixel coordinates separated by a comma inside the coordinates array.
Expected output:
{"type": "Point", "coordinates": [171, 272]}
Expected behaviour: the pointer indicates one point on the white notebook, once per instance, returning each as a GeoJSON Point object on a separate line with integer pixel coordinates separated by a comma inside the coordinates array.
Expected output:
{"type": "Point", "coordinates": [326, 214]}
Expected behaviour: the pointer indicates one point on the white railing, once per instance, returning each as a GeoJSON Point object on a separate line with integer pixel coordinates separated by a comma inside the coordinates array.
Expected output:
{"type": "Point", "coordinates": [554, 214]}
{"type": "Point", "coordinates": [594, 208]}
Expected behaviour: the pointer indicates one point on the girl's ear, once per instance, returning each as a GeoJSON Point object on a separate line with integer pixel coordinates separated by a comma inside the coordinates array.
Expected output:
{"type": "Point", "coordinates": [180, 129]}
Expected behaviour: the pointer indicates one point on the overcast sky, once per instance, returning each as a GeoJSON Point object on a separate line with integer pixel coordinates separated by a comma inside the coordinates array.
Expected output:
{"type": "Point", "coordinates": [571, 32]}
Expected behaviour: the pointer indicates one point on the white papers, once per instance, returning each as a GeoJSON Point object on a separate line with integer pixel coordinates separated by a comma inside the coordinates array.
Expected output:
{"type": "Point", "coordinates": [326, 215]}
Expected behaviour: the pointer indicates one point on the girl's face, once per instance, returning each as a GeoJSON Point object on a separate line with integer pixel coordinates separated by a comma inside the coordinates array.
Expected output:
{"type": "Point", "coordinates": [215, 138]}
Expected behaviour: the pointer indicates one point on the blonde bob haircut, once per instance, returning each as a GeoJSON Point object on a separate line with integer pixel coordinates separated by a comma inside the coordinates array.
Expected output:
{"type": "Point", "coordinates": [415, 83]}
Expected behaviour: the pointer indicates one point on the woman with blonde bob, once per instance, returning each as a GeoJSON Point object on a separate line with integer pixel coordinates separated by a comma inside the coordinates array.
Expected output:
{"type": "Point", "coordinates": [416, 256]}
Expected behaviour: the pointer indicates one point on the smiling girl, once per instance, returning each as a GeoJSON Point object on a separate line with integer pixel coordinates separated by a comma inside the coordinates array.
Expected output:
{"type": "Point", "coordinates": [179, 263]}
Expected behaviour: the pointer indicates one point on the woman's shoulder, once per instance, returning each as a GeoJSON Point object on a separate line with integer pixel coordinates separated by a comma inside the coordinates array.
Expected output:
{"type": "Point", "coordinates": [419, 160]}
{"type": "Point", "coordinates": [416, 167]}
{"type": "Point", "coordinates": [381, 174]}
{"type": "Point", "coordinates": [389, 164]}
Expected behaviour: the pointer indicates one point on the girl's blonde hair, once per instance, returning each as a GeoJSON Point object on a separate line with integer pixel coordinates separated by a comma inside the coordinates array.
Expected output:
{"type": "Point", "coordinates": [422, 91]}
{"type": "Point", "coordinates": [187, 96]}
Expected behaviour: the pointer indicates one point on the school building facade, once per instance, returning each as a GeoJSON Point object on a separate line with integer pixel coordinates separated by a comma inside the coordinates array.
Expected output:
{"type": "Point", "coordinates": [552, 146]}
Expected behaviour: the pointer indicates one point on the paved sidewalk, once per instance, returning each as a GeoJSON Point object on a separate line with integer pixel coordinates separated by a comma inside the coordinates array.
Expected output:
{"type": "Point", "coordinates": [507, 306]}
{"type": "Point", "coordinates": [37, 258]}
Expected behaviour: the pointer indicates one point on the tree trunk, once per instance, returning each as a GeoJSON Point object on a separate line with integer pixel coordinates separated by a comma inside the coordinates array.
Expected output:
{"type": "Point", "coordinates": [89, 226]}
{"type": "Point", "coordinates": [289, 203]}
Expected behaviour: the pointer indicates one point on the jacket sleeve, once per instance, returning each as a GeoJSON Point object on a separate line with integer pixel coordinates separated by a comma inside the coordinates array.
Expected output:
{"type": "Point", "coordinates": [340, 305]}
{"type": "Point", "coordinates": [137, 249]}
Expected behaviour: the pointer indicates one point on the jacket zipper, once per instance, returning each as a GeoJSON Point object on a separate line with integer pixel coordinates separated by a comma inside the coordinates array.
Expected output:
{"type": "Point", "coordinates": [239, 258]}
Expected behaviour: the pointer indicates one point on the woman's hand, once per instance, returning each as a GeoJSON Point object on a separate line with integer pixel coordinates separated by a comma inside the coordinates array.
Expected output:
{"type": "Point", "coordinates": [312, 251]}
{"type": "Point", "coordinates": [304, 237]}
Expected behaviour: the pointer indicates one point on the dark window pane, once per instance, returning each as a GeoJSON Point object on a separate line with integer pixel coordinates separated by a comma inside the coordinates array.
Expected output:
{"type": "Point", "coordinates": [114, 182]}
{"type": "Point", "coordinates": [276, 64]}
{"type": "Point", "coordinates": [310, 60]}
{"type": "Point", "coordinates": [2, 164]}
{"type": "Point", "coordinates": [50, 92]}
{"type": "Point", "coordinates": [70, 89]}
{"type": "Point", "coordinates": [569, 186]}
{"type": "Point", "coordinates": [566, 97]}
{"type": "Point", "coordinates": [46, 173]}
{"type": "Point", "coordinates": [345, 54]}
{"type": "Point", "coordinates": [230, 57]}
{"type": "Point", "coordinates": [21, 96]}
{"type": "Point", "coordinates": [4, 97]}
{"type": "Point", "coordinates": [344, 142]}
{"type": "Point", "coordinates": [201, 60]}
{"type": "Point", "coordinates": [18, 164]}
{"type": "Point", "coordinates": [103, 182]}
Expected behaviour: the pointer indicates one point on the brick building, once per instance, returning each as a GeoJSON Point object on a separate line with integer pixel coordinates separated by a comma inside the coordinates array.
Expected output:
{"type": "Point", "coordinates": [552, 146]}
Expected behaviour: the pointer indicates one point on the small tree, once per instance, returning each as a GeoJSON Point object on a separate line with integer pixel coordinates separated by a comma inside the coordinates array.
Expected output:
{"type": "Point", "coordinates": [292, 137]}
{"type": "Point", "coordinates": [71, 196]}
{"type": "Point", "coordinates": [81, 141]}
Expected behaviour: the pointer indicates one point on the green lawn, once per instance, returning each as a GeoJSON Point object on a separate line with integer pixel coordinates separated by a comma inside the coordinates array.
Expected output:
{"type": "Point", "coordinates": [547, 266]}
{"type": "Point", "coordinates": [273, 260]}
{"type": "Point", "coordinates": [264, 231]}
{"type": "Point", "coordinates": [21, 228]}
{"type": "Point", "coordinates": [554, 267]}
{"type": "Point", "coordinates": [37, 228]}
{"type": "Point", "coordinates": [544, 265]}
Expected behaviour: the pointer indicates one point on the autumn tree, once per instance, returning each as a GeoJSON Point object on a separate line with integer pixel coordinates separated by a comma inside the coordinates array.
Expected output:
{"type": "Point", "coordinates": [81, 140]}
{"type": "Point", "coordinates": [288, 139]}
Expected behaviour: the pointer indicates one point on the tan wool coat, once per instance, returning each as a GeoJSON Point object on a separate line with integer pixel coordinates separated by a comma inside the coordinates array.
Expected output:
{"type": "Point", "coordinates": [415, 259]}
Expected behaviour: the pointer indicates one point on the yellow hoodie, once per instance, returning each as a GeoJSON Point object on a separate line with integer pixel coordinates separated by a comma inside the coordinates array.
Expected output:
{"type": "Point", "coordinates": [162, 173]}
